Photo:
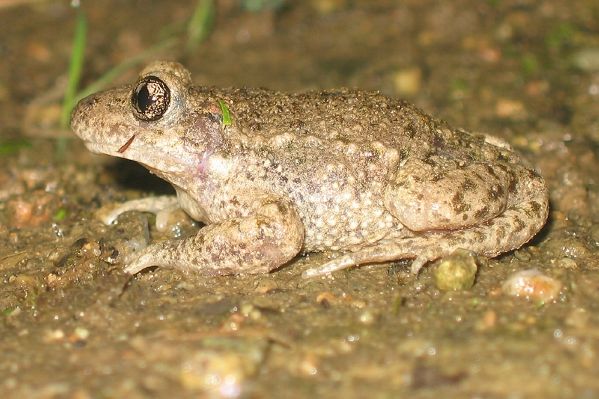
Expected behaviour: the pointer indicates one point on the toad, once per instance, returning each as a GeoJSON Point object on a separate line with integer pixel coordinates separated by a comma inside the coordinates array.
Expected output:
{"type": "Point", "coordinates": [273, 175]}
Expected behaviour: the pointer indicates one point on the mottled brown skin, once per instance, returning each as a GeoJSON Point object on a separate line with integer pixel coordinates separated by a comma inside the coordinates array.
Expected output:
{"type": "Point", "coordinates": [339, 170]}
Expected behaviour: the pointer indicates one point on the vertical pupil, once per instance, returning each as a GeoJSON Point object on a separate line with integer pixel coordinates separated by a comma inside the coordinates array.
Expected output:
{"type": "Point", "coordinates": [144, 99]}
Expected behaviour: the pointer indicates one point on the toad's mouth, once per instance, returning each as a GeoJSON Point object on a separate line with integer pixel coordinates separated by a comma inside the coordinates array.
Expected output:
{"type": "Point", "coordinates": [124, 147]}
{"type": "Point", "coordinates": [112, 149]}
{"type": "Point", "coordinates": [161, 163]}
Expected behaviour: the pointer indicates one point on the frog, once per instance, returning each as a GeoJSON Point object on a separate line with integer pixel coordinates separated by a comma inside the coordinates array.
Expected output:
{"type": "Point", "coordinates": [364, 177]}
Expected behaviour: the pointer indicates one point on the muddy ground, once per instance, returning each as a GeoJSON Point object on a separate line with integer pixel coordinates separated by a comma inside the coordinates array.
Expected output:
{"type": "Point", "coordinates": [73, 325]}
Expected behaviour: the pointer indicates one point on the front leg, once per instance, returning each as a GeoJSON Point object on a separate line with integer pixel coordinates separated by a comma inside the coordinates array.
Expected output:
{"type": "Point", "coordinates": [157, 205]}
{"type": "Point", "coordinates": [268, 236]}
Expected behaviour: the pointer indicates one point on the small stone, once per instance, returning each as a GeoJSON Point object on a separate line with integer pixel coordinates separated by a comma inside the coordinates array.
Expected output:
{"type": "Point", "coordinates": [266, 287]}
{"type": "Point", "coordinates": [81, 333]}
{"type": "Point", "coordinates": [222, 368]}
{"type": "Point", "coordinates": [250, 311]}
{"type": "Point", "coordinates": [326, 299]}
{"type": "Point", "coordinates": [407, 82]}
{"type": "Point", "coordinates": [488, 321]}
{"type": "Point", "coordinates": [532, 284]}
{"type": "Point", "coordinates": [456, 271]}
{"type": "Point", "coordinates": [53, 335]}
{"type": "Point", "coordinates": [222, 374]}
{"type": "Point", "coordinates": [567, 263]}
{"type": "Point", "coordinates": [522, 255]}
{"type": "Point", "coordinates": [78, 336]}
{"type": "Point", "coordinates": [576, 249]}
{"type": "Point", "coordinates": [587, 59]}
{"type": "Point", "coordinates": [327, 6]}
{"type": "Point", "coordinates": [507, 108]}
{"type": "Point", "coordinates": [308, 366]}
{"type": "Point", "coordinates": [367, 317]}
{"type": "Point", "coordinates": [31, 211]}
{"type": "Point", "coordinates": [173, 221]}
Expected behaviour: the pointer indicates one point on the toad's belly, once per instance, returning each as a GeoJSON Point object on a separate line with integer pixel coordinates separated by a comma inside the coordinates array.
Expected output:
{"type": "Point", "coordinates": [332, 223]}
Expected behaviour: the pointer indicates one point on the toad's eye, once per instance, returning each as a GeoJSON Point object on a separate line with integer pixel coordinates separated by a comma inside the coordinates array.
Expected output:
{"type": "Point", "coordinates": [150, 99]}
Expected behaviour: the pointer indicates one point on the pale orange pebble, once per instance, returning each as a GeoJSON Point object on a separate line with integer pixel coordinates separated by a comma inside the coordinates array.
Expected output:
{"type": "Point", "coordinates": [532, 284]}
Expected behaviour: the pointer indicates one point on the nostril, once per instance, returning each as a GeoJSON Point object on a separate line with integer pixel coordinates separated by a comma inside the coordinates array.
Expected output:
{"type": "Point", "coordinates": [88, 101]}
{"type": "Point", "coordinates": [82, 108]}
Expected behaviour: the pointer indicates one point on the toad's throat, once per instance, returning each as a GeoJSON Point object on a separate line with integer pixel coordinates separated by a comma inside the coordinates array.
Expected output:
{"type": "Point", "coordinates": [124, 147]}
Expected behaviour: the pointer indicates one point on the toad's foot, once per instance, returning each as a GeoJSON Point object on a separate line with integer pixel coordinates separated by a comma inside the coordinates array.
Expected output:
{"type": "Point", "coordinates": [384, 252]}
{"type": "Point", "coordinates": [269, 236]}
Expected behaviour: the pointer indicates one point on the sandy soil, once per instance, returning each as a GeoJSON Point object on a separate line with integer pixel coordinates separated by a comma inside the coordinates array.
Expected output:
{"type": "Point", "coordinates": [72, 325]}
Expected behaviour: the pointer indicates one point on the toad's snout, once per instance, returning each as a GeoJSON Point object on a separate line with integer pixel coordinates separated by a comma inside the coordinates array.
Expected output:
{"type": "Point", "coordinates": [81, 115]}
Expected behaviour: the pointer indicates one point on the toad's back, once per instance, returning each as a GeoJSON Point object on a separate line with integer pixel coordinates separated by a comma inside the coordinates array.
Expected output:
{"type": "Point", "coordinates": [351, 117]}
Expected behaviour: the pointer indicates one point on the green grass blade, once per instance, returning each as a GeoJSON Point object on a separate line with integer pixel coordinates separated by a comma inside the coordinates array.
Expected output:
{"type": "Point", "coordinates": [75, 68]}
{"type": "Point", "coordinates": [200, 24]}
{"type": "Point", "coordinates": [117, 70]}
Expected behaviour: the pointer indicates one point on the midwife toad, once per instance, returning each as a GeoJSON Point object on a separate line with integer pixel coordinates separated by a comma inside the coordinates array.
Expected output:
{"type": "Point", "coordinates": [274, 174]}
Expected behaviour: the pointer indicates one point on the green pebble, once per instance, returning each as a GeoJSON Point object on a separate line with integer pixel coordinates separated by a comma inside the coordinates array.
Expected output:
{"type": "Point", "coordinates": [456, 271]}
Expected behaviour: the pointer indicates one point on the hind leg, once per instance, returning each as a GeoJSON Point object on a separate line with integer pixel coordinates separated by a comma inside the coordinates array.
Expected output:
{"type": "Point", "coordinates": [506, 232]}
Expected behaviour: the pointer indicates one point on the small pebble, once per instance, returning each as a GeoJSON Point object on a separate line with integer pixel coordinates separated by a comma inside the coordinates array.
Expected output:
{"type": "Point", "coordinates": [81, 333]}
{"type": "Point", "coordinates": [324, 7]}
{"type": "Point", "coordinates": [31, 211]}
{"type": "Point", "coordinates": [488, 321]}
{"type": "Point", "coordinates": [367, 317]}
{"type": "Point", "coordinates": [575, 248]}
{"type": "Point", "coordinates": [308, 366]}
{"type": "Point", "coordinates": [218, 374]}
{"type": "Point", "coordinates": [567, 263]}
{"type": "Point", "coordinates": [266, 287]}
{"type": "Point", "coordinates": [79, 336]}
{"type": "Point", "coordinates": [532, 284]}
{"type": "Point", "coordinates": [172, 221]}
{"type": "Point", "coordinates": [507, 108]}
{"type": "Point", "coordinates": [250, 311]}
{"type": "Point", "coordinates": [53, 335]}
{"type": "Point", "coordinates": [407, 82]}
{"type": "Point", "coordinates": [587, 59]}
{"type": "Point", "coordinates": [326, 299]}
{"type": "Point", "coordinates": [456, 271]}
